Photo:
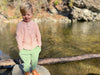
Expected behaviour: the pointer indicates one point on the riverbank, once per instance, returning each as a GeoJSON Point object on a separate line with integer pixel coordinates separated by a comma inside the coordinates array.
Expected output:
{"type": "Point", "coordinates": [63, 12]}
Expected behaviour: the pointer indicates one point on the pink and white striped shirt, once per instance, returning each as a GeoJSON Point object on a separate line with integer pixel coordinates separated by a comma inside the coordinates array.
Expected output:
{"type": "Point", "coordinates": [28, 35]}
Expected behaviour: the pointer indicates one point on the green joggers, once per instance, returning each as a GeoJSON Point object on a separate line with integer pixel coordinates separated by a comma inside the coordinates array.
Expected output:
{"type": "Point", "coordinates": [30, 56]}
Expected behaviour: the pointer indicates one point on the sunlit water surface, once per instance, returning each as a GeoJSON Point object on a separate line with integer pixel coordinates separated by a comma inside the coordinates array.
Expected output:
{"type": "Point", "coordinates": [61, 40]}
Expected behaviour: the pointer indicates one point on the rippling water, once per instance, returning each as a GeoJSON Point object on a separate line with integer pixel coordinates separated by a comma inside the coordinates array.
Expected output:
{"type": "Point", "coordinates": [61, 40]}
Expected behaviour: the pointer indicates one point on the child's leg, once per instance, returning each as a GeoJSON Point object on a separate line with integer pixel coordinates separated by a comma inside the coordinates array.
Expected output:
{"type": "Point", "coordinates": [34, 57]}
{"type": "Point", "coordinates": [26, 59]}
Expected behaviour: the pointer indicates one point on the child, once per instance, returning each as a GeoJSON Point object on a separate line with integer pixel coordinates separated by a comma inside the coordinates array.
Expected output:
{"type": "Point", "coordinates": [29, 39]}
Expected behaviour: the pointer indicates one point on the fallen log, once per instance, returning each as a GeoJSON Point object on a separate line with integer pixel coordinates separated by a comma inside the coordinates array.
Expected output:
{"type": "Point", "coordinates": [10, 62]}
{"type": "Point", "coordinates": [7, 62]}
{"type": "Point", "coordinates": [67, 59]}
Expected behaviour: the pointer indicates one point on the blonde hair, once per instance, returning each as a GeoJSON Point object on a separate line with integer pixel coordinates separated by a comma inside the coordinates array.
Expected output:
{"type": "Point", "coordinates": [25, 7]}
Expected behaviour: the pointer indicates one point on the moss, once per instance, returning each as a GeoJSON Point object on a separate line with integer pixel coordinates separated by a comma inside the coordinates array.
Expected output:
{"type": "Point", "coordinates": [71, 3]}
{"type": "Point", "coordinates": [57, 2]}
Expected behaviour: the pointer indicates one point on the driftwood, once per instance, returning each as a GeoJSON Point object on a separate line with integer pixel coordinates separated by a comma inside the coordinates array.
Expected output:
{"type": "Point", "coordinates": [68, 59]}
{"type": "Point", "coordinates": [8, 62]}
{"type": "Point", "coordinates": [54, 60]}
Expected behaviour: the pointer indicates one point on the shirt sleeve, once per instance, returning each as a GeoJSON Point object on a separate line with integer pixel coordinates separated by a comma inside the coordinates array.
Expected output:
{"type": "Point", "coordinates": [19, 37]}
{"type": "Point", "coordinates": [38, 35]}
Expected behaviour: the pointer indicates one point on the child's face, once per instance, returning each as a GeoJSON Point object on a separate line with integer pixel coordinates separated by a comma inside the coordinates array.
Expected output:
{"type": "Point", "coordinates": [27, 16]}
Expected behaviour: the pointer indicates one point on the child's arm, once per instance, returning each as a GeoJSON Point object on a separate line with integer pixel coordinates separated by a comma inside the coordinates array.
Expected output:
{"type": "Point", "coordinates": [19, 37]}
{"type": "Point", "coordinates": [38, 35]}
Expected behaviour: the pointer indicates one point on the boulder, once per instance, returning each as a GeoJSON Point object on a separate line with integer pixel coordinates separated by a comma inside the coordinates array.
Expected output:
{"type": "Point", "coordinates": [97, 18]}
{"type": "Point", "coordinates": [83, 14]}
{"type": "Point", "coordinates": [53, 10]}
{"type": "Point", "coordinates": [79, 3]}
{"type": "Point", "coordinates": [17, 70]}
{"type": "Point", "coordinates": [93, 5]}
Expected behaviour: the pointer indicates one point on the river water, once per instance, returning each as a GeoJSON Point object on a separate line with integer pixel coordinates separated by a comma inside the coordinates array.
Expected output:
{"type": "Point", "coordinates": [61, 40]}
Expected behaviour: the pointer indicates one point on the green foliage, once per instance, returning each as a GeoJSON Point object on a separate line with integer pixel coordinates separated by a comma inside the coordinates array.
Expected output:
{"type": "Point", "coordinates": [71, 3]}
{"type": "Point", "coordinates": [57, 2]}
{"type": "Point", "coordinates": [3, 5]}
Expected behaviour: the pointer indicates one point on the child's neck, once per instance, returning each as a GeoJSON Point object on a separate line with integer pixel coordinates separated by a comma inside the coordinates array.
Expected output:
{"type": "Point", "coordinates": [26, 22]}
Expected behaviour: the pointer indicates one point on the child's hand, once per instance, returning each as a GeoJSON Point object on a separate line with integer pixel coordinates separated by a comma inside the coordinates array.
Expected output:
{"type": "Point", "coordinates": [39, 46]}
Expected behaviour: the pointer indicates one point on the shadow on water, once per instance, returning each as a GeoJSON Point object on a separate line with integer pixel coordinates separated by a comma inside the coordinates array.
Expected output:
{"type": "Point", "coordinates": [3, 56]}
{"type": "Point", "coordinates": [92, 74]}
{"type": "Point", "coordinates": [5, 71]}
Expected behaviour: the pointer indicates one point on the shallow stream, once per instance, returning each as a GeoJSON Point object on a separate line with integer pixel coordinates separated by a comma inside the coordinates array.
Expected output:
{"type": "Point", "coordinates": [61, 40]}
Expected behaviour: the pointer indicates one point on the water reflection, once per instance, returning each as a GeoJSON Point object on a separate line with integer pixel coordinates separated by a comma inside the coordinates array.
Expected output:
{"type": "Point", "coordinates": [61, 40]}
{"type": "Point", "coordinates": [86, 29]}
{"type": "Point", "coordinates": [3, 56]}
{"type": "Point", "coordinates": [7, 40]}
